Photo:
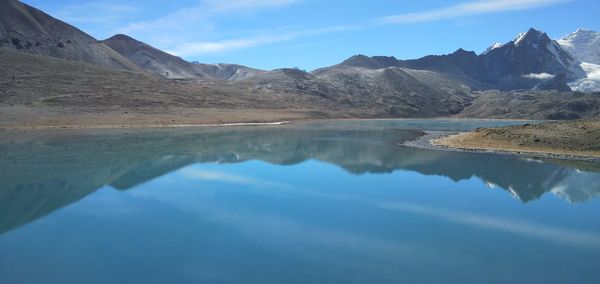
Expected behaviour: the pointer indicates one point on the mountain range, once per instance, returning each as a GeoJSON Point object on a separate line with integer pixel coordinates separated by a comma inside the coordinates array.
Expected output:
{"type": "Point", "coordinates": [530, 61]}
{"type": "Point", "coordinates": [527, 62]}
{"type": "Point", "coordinates": [161, 63]}
{"type": "Point", "coordinates": [30, 30]}
{"type": "Point", "coordinates": [379, 86]}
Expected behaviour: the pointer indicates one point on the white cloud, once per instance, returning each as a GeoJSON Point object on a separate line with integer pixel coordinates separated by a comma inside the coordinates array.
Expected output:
{"type": "Point", "coordinates": [100, 13]}
{"type": "Point", "coordinates": [208, 47]}
{"type": "Point", "coordinates": [207, 175]}
{"type": "Point", "coordinates": [468, 8]}
{"type": "Point", "coordinates": [539, 76]}
{"type": "Point", "coordinates": [192, 31]}
{"type": "Point", "coordinates": [200, 17]}
{"type": "Point", "coordinates": [556, 234]}
{"type": "Point", "coordinates": [99, 18]}
{"type": "Point", "coordinates": [224, 177]}
{"type": "Point", "coordinates": [221, 6]}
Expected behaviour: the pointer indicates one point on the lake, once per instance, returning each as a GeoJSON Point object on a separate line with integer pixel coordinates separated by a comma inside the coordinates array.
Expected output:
{"type": "Point", "coordinates": [317, 202]}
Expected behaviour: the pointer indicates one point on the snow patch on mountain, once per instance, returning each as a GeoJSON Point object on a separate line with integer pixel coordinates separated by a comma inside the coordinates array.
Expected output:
{"type": "Point", "coordinates": [583, 45]}
{"type": "Point", "coordinates": [493, 46]}
{"type": "Point", "coordinates": [531, 36]}
{"type": "Point", "coordinates": [519, 38]}
{"type": "Point", "coordinates": [591, 83]}
{"type": "Point", "coordinates": [575, 187]}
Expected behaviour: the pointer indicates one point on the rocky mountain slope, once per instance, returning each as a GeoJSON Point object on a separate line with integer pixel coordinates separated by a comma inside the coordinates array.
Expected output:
{"type": "Point", "coordinates": [533, 105]}
{"type": "Point", "coordinates": [226, 71]}
{"type": "Point", "coordinates": [102, 87]}
{"type": "Point", "coordinates": [390, 91]}
{"type": "Point", "coordinates": [407, 91]}
{"type": "Point", "coordinates": [522, 63]}
{"type": "Point", "coordinates": [30, 30]}
{"type": "Point", "coordinates": [37, 91]}
{"type": "Point", "coordinates": [44, 91]}
{"type": "Point", "coordinates": [40, 91]}
{"type": "Point", "coordinates": [459, 66]}
{"type": "Point", "coordinates": [161, 63]}
{"type": "Point", "coordinates": [151, 59]}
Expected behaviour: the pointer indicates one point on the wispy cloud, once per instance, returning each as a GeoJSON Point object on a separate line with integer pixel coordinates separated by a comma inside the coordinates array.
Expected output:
{"type": "Point", "coordinates": [192, 31]}
{"type": "Point", "coordinates": [285, 230]}
{"type": "Point", "coordinates": [556, 234]}
{"type": "Point", "coordinates": [99, 18]}
{"type": "Point", "coordinates": [221, 6]}
{"type": "Point", "coordinates": [100, 13]}
{"type": "Point", "coordinates": [464, 9]}
{"type": "Point", "coordinates": [224, 177]}
{"type": "Point", "coordinates": [467, 9]}
{"type": "Point", "coordinates": [200, 17]}
{"type": "Point", "coordinates": [208, 47]}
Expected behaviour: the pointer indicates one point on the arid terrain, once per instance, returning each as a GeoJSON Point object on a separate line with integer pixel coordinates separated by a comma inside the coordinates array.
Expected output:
{"type": "Point", "coordinates": [568, 138]}
{"type": "Point", "coordinates": [53, 75]}
{"type": "Point", "coordinates": [40, 91]}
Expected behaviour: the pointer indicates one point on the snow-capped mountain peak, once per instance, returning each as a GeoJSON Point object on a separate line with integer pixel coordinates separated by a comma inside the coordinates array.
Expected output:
{"type": "Point", "coordinates": [583, 44]}
{"type": "Point", "coordinates": [531, 58]}
{"type": "Point", "coordinates": [531, 36]}
{"type": "Point", "coordinates": [493, 46]}
{"type": "Point", "coordinates": [519, 38]}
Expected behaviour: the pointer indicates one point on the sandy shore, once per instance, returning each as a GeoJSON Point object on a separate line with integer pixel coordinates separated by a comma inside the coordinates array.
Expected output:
{"type": "Point", "coordinates": [24, 118]}
{"type": "Point", "coordinates": [436, 140]}
{"type": "Point", "coordinates": [463, 142]}
{"type": "Point", "coordinates": [572, 140]}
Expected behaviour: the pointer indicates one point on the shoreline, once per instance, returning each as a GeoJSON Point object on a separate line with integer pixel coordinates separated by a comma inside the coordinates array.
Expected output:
{"type": "Point", "coordinates": [431, 141]}
{"type": "Point", "coordinates": [142, 126]}
{"type": "Point", "coordinates": [230, 124]}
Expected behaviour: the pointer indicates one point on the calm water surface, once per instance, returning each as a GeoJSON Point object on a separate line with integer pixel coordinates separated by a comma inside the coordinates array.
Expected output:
{"type": "Point", "coordinates": [328, 202]}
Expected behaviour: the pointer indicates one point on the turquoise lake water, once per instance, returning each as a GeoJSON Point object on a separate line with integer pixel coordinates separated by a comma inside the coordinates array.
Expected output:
{"type": "Point", "coordinates": [322, 202]}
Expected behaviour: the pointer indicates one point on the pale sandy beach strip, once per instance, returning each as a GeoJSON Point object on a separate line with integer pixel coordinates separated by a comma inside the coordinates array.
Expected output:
{"type": "Point", "coordinates": [147, 126]}
{"type": "Point", "coordinates": [435, 140]}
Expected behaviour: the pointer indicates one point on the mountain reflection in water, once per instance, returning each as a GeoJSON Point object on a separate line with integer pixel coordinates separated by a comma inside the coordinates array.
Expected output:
{"type": "Point", "coordinates": [43, 171]}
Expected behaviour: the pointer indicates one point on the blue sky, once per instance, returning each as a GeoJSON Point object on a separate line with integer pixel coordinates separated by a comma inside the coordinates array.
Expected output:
{"type": "Point", "coordinates": [310, 34]}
